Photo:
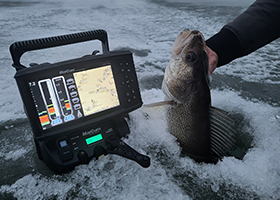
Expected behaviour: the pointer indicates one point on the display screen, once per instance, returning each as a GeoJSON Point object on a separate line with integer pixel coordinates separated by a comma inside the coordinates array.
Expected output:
{"type": "Point", "coordinates": [74, 95]}
{"type": "Point", "coordinates": [94, 139]}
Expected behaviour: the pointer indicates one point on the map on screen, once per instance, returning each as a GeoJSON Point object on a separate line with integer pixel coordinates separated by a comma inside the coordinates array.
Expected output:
{"type": "Point", "coordinates": [97, 89]}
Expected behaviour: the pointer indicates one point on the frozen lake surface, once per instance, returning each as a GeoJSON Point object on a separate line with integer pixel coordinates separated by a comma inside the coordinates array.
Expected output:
{"type": "Point", "coordinates": [248, 88]}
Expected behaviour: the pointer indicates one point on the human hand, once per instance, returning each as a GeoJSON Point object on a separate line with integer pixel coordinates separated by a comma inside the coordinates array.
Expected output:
{"type": "Point", "coordinates": [212, 60]}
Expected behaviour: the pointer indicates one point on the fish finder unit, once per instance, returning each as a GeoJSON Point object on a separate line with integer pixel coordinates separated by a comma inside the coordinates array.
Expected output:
{"type": "Point", "coordinates": [77, 108]}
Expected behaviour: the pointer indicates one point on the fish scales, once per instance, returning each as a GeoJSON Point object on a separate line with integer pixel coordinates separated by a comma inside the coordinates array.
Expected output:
{"type": "Point", "coordinates": [189, 123]}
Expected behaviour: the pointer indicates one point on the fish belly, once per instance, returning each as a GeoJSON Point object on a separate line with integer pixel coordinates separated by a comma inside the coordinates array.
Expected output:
{"type": "Point", "coordinates": [189, 123]}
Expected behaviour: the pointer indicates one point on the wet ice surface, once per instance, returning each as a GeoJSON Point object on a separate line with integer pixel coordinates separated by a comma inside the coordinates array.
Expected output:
{"type": "Point", "coordinates": [148, 29]}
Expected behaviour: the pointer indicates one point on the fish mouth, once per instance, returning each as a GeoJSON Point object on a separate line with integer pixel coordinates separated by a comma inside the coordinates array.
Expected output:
{"type": "Point", "coordinates": [189, 40]}
{"type": "Point", "coordinates": [189, 34]}
{"type": "Point", "coordinates": [194, 39]}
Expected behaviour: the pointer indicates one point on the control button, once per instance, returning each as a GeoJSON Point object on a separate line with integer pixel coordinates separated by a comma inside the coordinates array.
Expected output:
{"type": "Point", "coordinates": [76, 100]}
{"type": "Point", "coordinates": [72, 87]}
{"type": "Point", "coordinates": [79, 115]}
{"type": "Point", "coordinates": [66, 154]}
{"type": "Point", "coordinates": [64, 150]}
{"type": "Point", "coordinates": [83, 157]}
{"type": "Point", "coordinates": [63, 143]}
{"type": "Point", "coordinates": [70, 81]}
{"type": "Point", "coordinates": [73, 94]}
{"type": "Point", "coordinates": [77, 106]}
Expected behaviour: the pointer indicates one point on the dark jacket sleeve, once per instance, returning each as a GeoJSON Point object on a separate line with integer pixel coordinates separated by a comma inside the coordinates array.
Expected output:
{"type": "Point", "coordinates": [256, 27]}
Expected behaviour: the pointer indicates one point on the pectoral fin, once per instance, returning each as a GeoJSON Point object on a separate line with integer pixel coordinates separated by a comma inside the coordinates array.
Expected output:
{"type": "Point", "coordinates": [160, 104]}
{"type": "Point", "coordinates": [157, 109]}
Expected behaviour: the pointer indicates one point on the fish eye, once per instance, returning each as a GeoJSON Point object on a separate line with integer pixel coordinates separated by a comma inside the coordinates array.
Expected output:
{"type": "Point", "coordinates": [191, 57]}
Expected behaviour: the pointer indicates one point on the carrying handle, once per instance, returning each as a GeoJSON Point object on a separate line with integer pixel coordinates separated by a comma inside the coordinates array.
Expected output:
{"type": "Point", "coordinates": [17, 49]}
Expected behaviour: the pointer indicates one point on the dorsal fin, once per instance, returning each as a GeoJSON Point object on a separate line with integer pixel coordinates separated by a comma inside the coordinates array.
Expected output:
{"type": "Point", "coordinates": [222, 133]}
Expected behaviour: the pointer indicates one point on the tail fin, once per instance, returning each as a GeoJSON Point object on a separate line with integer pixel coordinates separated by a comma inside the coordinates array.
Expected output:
{"type": "Point", "coordinates": [222, 133]}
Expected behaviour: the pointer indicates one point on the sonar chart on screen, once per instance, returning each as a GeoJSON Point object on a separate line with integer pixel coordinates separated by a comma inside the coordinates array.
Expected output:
{"type": "Point", "coordinates": [98, 93]}
{"type": "Point", "coordinates": [65, 98]}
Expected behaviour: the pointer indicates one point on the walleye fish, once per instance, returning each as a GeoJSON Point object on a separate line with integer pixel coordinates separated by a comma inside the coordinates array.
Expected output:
{"type": "Point", "coordinates": [205, 133]}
